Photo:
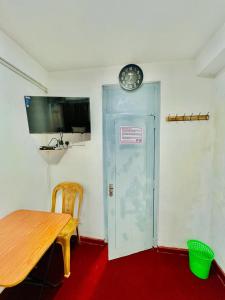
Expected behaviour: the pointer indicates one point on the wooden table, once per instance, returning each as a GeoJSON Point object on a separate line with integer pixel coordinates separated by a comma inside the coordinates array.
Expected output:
{"type": "Point", "coordinates": [25, 235]}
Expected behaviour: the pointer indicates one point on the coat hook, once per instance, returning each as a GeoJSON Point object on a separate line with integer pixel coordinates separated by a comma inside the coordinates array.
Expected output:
{"type": "Point", "coordinates": [184, 117]}
{"type": "Point", "coordinates": [199, 116]}
{"type": "Point", "coordinates": [176, 117]}
{"type": "Point", "coordinates": [191, 116]}
{"type": "Point", "coordinates": [208, 115]}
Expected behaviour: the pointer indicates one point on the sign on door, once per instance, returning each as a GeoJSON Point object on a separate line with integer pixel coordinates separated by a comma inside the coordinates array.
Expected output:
{"type": "Point", "coordinates": [131, 135]}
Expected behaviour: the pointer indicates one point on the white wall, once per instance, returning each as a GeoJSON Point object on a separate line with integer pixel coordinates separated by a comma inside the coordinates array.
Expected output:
{"type": "Point", "coordinates": [23, 172]}
{"type": "Point", "coordinates": [185, 154]}
{"type": "Point", "coordinates": [218, 177]}
{"type": "Point", "coordinates": [211, 59]}
{"type": "Point", "coordinates": [10, 51]}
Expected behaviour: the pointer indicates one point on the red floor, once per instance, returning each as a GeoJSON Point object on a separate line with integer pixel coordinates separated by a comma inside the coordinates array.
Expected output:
{"type": "Point", "coordinates": [144, 276]}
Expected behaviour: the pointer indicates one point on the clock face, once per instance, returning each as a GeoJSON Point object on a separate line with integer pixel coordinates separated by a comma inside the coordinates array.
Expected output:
{"type": "Point", "coordinates": [131, 77]}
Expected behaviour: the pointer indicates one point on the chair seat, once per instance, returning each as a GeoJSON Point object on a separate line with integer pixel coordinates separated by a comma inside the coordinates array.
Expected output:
{"type": "Point", "coordinates": [69, 228]}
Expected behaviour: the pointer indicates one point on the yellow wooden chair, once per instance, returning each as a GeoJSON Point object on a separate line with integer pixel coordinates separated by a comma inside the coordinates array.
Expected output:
{"type": "Point", "coordinates": [70, 192]}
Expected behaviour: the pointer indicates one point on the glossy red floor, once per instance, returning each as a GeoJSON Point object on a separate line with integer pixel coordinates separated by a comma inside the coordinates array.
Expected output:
{"type": "Point", "coordinates": [144, 276]}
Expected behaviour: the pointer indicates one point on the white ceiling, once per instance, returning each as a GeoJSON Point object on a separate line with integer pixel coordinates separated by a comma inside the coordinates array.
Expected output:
{"type": "Point", "coordinates": [72, 34]}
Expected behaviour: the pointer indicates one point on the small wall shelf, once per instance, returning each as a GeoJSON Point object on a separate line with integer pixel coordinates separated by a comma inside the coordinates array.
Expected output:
{"type": "Point", "coordinates": [52, 157]}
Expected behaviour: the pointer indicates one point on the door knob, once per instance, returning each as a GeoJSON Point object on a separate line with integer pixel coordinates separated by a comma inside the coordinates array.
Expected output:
{"type": "Point", "coordinates": [110, 190]}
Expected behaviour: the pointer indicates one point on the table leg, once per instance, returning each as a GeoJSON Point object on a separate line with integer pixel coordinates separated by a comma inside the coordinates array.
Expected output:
{"type": "Point", "coordinates": [43, 283]}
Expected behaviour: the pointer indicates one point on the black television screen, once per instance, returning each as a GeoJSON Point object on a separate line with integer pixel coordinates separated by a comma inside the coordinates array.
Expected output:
{"type": "Point", "coordinates": [58, 114]}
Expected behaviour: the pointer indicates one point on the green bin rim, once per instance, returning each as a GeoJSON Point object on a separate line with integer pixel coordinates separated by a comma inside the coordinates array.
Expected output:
{"type": "Point", "coordinates": [189, 242]}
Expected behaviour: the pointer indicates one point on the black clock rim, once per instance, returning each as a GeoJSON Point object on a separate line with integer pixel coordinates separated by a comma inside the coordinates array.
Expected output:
{"type": "Point", "coordinates": [125, 67]}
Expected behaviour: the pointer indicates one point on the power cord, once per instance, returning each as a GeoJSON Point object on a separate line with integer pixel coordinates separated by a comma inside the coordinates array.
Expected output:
{"type": "Point", "coordinates": [59, 142]}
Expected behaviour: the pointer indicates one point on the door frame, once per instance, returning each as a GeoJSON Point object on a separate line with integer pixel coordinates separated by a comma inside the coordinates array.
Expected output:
{"type": "Point", "coordinates": [156, 164]}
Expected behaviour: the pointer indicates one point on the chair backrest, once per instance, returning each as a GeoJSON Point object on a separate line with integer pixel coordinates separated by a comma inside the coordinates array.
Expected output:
{"type": "Point", "coordinates": [70, 192]}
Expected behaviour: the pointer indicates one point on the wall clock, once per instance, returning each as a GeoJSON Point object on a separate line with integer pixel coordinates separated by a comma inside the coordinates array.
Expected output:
{"type": "Point", "coordinates": [131, 77]}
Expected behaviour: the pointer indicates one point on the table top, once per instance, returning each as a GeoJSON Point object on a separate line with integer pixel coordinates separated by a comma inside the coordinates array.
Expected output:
{"type": "Point", "coordinates": [25, 235]}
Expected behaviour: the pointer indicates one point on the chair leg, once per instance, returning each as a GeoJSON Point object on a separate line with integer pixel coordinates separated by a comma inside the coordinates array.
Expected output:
{"type": "Point", "coordinates": [65, 243]}
{"type": "Point", "coordinates": [78, 235]}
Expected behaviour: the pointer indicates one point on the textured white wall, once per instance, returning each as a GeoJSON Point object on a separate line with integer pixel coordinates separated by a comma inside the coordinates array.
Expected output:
{"type": "Point", "coordinates": [185, 153]}
{"type": "Point", "coordinates": [23, 172]}
{"type": "Point", "coordinates": [218, 177]}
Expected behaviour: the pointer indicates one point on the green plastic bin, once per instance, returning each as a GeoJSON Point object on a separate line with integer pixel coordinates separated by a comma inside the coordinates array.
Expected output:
{"type": "Point", "coordinates": [200, 258]}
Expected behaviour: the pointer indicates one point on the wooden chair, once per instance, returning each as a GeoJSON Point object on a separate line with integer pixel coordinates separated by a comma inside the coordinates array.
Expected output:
{"type": "Point", "coordinates": [70, 192]}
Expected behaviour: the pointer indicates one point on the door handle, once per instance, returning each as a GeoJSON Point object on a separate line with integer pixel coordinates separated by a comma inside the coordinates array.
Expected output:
{"type": "Point", "coordinates": [110, 190]}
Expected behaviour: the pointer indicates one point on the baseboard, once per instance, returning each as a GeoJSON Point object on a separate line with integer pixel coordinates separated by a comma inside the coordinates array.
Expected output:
{"type": "Point", "coordinates": [92, 241]}
{"type": "Point", "coordinates": [171, 250]}
{"type": "Point", "coordinates": [182, 251]}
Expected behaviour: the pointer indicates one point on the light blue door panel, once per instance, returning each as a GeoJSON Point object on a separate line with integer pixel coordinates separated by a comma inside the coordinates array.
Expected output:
{"type": "Point", "coordinates": [130, 173]}
{"type": "Point", "coordinates": [130, 121]}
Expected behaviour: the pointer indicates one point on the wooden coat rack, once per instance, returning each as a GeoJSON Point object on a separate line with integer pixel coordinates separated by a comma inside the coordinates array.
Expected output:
{"type": "Point", "coordinates": [192, 117]}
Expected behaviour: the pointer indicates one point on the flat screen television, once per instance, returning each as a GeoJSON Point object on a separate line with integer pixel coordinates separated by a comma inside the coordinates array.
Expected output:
{"type": "Point", "coordinates": [58, 114]}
